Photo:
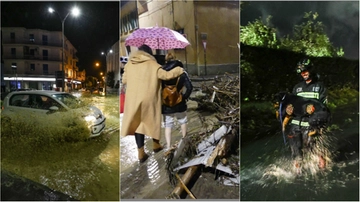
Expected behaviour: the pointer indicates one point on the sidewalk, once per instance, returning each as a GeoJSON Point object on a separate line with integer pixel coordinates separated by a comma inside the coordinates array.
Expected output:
{"type": "Point", "coordinates": [149, 180]}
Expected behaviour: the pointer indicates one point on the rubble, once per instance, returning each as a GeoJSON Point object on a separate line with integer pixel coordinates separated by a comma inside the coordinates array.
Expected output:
{"type": "Point", "coordinates": [217, 144]}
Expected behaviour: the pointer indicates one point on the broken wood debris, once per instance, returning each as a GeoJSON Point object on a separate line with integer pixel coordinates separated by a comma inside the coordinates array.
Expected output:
{"type": "Point", "coordinates": [218, 143]}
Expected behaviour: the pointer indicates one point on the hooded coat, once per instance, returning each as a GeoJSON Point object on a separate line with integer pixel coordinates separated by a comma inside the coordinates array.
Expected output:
{"type": "Point", "coordinates": [142, 110]}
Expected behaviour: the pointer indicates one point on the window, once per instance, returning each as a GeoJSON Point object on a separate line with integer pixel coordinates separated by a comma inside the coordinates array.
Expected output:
{"type": "Point", "coordinates": [26, 50]}
{"type": "Point", "coordinates": [45, 69]}
{"type": "Point", "coordinates": [129, 22]}
{"type": "Point", "coordinates": [32, 52]}
{"type": "Point", "coordinates": [124, 24]}
{"type": "Point", "coordinates": [32, 67]}
{"type": "Point", "coordinates": [13, 65]}
{"type": "Point", "coordinates": [134, 20]}
{"type": "Point", "coordinates": [45, 54]}
{"type": "Point", "coordinates": [128, 50]}
{"type": "Point", "coordinates": [45, 39]}
{"type": "Point", "coordinates": [12, 36]}
{"type": "Point", "coordinates": [21, 100]}
{"type": "Point", "coordinates": [15, 85]}
{"type": "Point", "coordinates": [31, 37]}
{"type": "Point", "coordinates": [13, 52]}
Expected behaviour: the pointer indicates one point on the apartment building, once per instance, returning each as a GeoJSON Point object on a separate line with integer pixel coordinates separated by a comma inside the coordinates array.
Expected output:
{"type": "Point", "coordinates": [32, 58]}
{"type": "Point", "coordinates": [212, 28]}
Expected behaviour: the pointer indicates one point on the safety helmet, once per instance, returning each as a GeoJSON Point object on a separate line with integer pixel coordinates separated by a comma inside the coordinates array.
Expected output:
{"type": "Point", "coordinates": [304, 65]}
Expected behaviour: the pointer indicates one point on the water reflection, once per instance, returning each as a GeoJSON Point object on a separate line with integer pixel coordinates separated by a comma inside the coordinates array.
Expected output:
{"type": "Point", "coordinates": [153, 170]}
{"type": "Point", "coordinates": [128, 151]}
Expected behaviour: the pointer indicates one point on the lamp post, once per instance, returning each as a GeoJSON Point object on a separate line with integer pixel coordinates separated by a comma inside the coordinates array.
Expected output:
{"type": "Point", "coordinates": [105, 80]}
{"type": "Point", "coordinates": [75, 11]}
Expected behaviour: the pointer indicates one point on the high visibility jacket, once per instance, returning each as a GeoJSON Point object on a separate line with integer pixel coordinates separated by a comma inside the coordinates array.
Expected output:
{"type": "Point", "coordinates": [314, 89]}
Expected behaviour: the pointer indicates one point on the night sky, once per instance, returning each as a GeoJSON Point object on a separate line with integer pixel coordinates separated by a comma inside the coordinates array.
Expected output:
{"type": "Point", "coordinates": [94, 31]}
{"type": "Point", "coordinates": [340, 18]}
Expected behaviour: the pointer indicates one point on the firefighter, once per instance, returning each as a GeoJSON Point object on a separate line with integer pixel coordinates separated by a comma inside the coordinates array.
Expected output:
{"type": "Point", "coordinates": [300, 132]}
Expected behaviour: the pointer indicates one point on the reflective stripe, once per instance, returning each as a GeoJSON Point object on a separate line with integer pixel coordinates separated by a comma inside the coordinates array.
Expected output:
{"type": "Point", "coordinates": [309, 95]}
{"type": "Point", "coordinates": [303, 123]}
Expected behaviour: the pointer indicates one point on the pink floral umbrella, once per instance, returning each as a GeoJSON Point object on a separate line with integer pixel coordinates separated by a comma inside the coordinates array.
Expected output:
{"type": "Point", "coordinates": [157, 38]}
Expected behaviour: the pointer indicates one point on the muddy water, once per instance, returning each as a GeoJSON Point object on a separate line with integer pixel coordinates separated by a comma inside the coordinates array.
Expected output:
{"type": "Point", "coordinates": [149, 180]}
{"type": "Point", "coordinates": [84, 169]}
{"type": "Point", "coordinates": [267, 172]}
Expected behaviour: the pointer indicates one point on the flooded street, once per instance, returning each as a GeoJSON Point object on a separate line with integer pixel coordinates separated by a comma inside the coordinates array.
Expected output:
{"type": "Point", "coordinates": [86, 170]}
{"type": "Point", "coordinates": [150, 180]}
{"type": "Point", "coordinates": [267, 172]}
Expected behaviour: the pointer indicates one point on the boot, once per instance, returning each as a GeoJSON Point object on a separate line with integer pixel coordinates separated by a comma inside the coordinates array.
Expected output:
{"type": "Point", "coordinates": [157, 146]}
{"type": "Point", "coordinates": [142, 156]}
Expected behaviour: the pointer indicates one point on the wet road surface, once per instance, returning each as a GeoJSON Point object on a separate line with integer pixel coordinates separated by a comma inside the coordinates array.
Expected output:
{"type": "Point", "coordinates": [267, 172]}
{"type": "Point", "coordinates": [85, 170]}
{"type": "Point", "coordinates": [149, 180]}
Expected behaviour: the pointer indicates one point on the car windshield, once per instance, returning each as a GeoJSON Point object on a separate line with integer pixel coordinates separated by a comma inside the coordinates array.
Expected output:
{"type": "Point", "coordinates": [69, 100]}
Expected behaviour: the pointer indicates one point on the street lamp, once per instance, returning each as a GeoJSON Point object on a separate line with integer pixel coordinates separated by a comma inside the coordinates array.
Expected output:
{"type": "Point", "coordinates": [75, 12]}
{"type": "Point", "coordinates": [105, 80]}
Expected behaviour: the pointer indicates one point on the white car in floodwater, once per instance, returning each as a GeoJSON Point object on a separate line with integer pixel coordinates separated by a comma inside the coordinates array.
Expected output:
{"type": "Point", "coordinates": [54, 104]}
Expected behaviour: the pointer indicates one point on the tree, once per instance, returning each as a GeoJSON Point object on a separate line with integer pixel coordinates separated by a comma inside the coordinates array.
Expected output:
{"type": "Point", "coordinates": [110, 76]}
{"type": "Point", "coordinates": [310, 38]}
{"type": "Point", "coordinates": [259, 34]}
{"type": "Point", "coordinates": [90, 82]}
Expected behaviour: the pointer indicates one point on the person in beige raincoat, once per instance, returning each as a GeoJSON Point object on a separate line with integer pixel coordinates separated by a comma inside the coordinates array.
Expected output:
{"type": "Point", "coordinates": [142, 111]}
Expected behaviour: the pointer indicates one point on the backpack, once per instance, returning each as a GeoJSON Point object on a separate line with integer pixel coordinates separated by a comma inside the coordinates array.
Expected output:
{"type": "Point", "coordinates": [170, 95]}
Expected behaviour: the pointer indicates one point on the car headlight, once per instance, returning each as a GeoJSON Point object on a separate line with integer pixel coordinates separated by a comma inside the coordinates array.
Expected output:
{"type": "Point", "coordinates": [90, 118]}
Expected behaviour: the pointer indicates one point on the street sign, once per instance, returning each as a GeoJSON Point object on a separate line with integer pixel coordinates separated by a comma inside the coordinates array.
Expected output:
{"type": "Point", "coordinates": [204, 44]}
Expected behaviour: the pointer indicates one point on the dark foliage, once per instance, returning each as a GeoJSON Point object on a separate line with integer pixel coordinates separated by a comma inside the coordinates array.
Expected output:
{"type": "Point", "coordinates": [110, 79]}
{"type": "Point", "coordinates": [265, 72]}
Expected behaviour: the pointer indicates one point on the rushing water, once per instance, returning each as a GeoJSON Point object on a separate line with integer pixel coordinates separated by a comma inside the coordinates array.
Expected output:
{"type": "Point", "coordinates": [268, 173]}
{"type": "Point", "coordinates": [84, 169]}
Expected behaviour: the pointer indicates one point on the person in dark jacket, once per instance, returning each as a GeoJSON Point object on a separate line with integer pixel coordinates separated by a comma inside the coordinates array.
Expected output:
{"type": "Point", "coordinates": [179, 110]}
{"type": "Point", "coordinates": [299, 131]}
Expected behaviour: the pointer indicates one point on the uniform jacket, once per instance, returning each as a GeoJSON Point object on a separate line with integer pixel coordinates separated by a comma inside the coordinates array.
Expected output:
{"type": "Point", "coordinates": [142, 110]}
{"type": "Point", "coordinates": [183, 81]}
{"type": "Point", "coordinates": [313, 90]}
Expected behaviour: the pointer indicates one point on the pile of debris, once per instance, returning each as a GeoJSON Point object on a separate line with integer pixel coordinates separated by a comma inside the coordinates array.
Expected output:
{"type": "Point", "coordinates": [217, 146]}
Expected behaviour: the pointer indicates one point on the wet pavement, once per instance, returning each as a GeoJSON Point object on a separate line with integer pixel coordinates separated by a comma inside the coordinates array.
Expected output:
{"type": "Point", "coordinates": [267, 171]}
{"type": "Point", "coordinates": [86, 170]}
{"type": "Point", "coordinates": [149, 180]}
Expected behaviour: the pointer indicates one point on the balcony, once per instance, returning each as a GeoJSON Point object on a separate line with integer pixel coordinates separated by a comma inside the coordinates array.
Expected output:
{"type": "Point", "coordinates": [32, 42]}
{"type": "Point", "coordinates": [32, 57]}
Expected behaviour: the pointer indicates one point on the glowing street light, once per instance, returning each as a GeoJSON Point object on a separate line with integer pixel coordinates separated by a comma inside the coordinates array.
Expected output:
{"type": "Point", "coordinates": [75, 12]}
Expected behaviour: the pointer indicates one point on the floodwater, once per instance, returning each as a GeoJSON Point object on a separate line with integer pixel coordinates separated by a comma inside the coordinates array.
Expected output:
{"type": "Point", "coordinates": [85, 169]}
{"type": "Point", "coordinates": [150, 180]}
{"type": "Point", "coordinates": [267, 173]}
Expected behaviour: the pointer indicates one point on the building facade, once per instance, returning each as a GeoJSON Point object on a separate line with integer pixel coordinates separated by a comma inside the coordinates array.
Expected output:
{"type": "Point", "coordinates": [32, 58]}
{"type": "Point", "coordinates": [113, 65]}
{"type": "Point", "coordinates": [211, 27]}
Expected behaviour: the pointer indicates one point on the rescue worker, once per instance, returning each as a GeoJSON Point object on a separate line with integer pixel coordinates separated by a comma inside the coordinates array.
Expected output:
{"type": "Point", "coordinates": [299, 132]}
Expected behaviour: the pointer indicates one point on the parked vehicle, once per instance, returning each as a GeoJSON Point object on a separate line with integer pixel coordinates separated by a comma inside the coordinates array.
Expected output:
{"type": "Point", "coordinates": [52, 104]}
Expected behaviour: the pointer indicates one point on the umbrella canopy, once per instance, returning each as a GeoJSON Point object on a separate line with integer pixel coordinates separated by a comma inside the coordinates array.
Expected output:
{"type": "Point", "coordinates": [157, 38]}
